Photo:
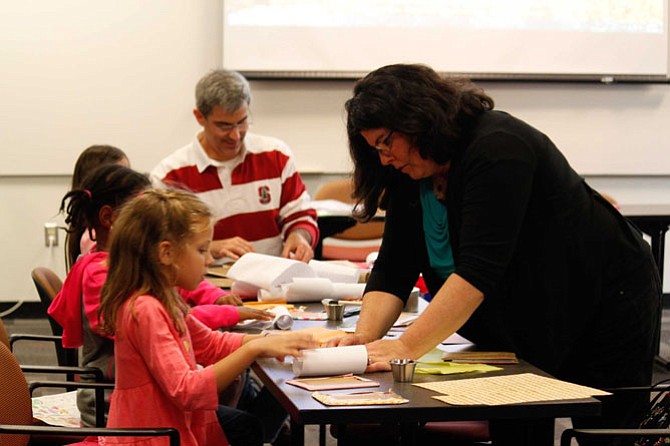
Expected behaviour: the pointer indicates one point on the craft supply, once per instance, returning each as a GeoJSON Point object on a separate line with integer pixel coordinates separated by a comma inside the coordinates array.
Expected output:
{"type": "Point", "coordinates": [331, 361]}
{"type": "Point", "coordinates": [334, 311]}
{"type": "Point", "coordinates": [402, 369]}
{"type": "Point", "coordinates": [476, 357]}
{"type": "Point", "coordinates": [348, 381]}
{"type": "Point", "coordinates": [359, 398]}
{"type": "Point", "coordinates": [282, 320]}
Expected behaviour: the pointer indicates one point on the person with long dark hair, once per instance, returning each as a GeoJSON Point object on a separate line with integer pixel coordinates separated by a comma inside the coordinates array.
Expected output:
{"type": "Point", "coordinates": [518, 251]}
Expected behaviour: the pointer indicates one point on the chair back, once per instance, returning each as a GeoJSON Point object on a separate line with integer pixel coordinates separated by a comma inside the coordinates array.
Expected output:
{"type": "Point", "coordinates": [15, 402]}
{"type": "Point", "coordinates": [48, 285]}
{"type": "Point", "coordinates": [341, 190]}
{"type": "Point", "coordinates": [4, 336]}
{"type": "Point", "coordinates": [354, 243]}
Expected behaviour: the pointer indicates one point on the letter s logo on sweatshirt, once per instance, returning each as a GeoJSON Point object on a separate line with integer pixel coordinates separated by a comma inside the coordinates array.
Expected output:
{"type": "Point", "coordinates": [264, 196]}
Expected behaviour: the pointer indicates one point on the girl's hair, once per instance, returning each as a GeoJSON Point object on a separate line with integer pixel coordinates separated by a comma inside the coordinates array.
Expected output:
{"type": "Point", "coordinates": [434, 112]}
{"type": "Point", "coordinates": [92, 157]}
{"type": "Point", "coordinates": [109, 185]}
{"type": "Point", "coordinates": [144, 222]}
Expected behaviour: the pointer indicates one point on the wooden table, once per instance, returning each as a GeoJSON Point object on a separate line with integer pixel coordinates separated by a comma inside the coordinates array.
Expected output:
{"type": "Point", "coordinates": [305, 410]}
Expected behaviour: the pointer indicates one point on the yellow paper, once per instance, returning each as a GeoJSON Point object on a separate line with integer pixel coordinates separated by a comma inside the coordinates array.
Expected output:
{"type": "Point", "coordinates": [431, 363]}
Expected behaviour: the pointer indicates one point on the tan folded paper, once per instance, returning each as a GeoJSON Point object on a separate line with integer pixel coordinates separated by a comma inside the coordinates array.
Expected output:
{"type": "Point", "coordinates": [359, 398]}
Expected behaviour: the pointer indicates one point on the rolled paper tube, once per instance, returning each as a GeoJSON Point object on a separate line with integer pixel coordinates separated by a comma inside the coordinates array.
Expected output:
{"type": "Point", "coordinates": [331, 361]}
{"type": "Point", "coordinates": [283, 319]}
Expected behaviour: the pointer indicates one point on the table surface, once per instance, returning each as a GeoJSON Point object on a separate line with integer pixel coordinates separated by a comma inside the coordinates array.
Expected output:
{"type": "Point", "coordinates": [305, 410]}
{"type": "Point", "coordinates": [646, 210]}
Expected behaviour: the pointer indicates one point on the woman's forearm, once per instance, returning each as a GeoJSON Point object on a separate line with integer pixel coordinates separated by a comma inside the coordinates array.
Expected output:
{"type": "Point", "coordinates": [449, 309]}
{"type": "Point", "coordinates": [379, 312]}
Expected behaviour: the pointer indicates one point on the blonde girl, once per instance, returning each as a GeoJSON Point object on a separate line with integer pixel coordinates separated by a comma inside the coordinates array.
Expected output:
{"type": "Point", "coordinates": [161, 240]}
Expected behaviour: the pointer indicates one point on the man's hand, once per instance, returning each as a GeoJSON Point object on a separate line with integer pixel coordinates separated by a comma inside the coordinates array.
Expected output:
{"type": "Point", "coordinates": [231, 247]}
{"type": "Point", "coordinates": [298, 246]}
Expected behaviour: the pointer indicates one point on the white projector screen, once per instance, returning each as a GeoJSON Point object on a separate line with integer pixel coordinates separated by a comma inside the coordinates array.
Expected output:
{"type": "Point", "coordinates": [606, 40]}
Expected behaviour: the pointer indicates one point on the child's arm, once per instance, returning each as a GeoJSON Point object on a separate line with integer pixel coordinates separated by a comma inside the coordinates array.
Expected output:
{"type": "Point", "coordinates": [208, 294]}
{"type": "Point", "coordinates": [258, 346]}
{"type": "Point", "coordinates": [92, 281]}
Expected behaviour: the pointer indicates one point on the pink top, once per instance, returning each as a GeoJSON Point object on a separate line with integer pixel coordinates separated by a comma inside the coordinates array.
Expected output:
{"type": "Point", "coordinates": [157, 381]}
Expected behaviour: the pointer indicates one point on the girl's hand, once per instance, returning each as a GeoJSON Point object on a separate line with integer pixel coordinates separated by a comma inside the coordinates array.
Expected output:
{"type": "Point", "coordinates": [281, 345]}
{"type": "Point", "coordinates": [254, 313]}
{"type": "Point", "coordinates": [229, 299]}
{"type": "Point", "coordinates": [382, 351]}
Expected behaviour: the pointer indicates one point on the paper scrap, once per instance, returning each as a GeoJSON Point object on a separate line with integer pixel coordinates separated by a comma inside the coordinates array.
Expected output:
{"type": "Point", "coordinates": [59, 409]}
{"type": "Point", "coordinates": [358, 398]}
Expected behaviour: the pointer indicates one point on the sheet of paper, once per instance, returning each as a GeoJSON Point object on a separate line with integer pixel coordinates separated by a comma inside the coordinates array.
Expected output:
{"type": "Point", "coordinates": [348, 381]}
{"type": "Point", "coordinates": [331, 361]}
{"type": "Point", "coordinates": [359, 398]}
{"type": "Point", "coordinates": [57, 410]}
{"type": "Point", "coordinates": [509, 389]}
{"type": "Point", "coordinates": [268, 272]}
{"type": "Point", "coordinates": [336, 272]}
{"type": "Point", "coordinates": [432, 364]}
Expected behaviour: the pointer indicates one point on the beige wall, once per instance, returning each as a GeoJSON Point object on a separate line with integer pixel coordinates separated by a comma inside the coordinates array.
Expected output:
{"type": "Point", "coordinates": [616, 129]}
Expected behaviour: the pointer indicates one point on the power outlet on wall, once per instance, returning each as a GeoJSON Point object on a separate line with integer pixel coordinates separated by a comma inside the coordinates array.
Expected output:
{"type": "Point", "coordinates": [50, 235]}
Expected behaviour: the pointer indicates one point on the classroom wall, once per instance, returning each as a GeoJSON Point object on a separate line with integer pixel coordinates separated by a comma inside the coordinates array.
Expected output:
{"type": "Point", "coordinates": [308, 114]}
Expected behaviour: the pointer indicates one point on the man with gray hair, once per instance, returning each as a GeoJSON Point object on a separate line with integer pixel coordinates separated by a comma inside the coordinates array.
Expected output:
{"type": "Point", "coordinates": [250, 182]}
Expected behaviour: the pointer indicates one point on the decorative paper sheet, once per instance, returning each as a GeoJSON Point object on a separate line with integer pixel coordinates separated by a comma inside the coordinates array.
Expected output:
{"type": "Point", "coordinates": [57, 410]}
{"type": "Point", "coordinates": [359, 398]}
{"type": "Point", "coordinates": [510, 389]}
{"type": "Point", "coordinates": [348, 381]}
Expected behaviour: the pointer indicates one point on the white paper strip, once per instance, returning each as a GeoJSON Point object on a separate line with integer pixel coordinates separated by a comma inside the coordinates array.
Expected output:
{"type": "Point", "coordinates": [335, 272]}
{"type": "Point", "coordinates": [331, 361]}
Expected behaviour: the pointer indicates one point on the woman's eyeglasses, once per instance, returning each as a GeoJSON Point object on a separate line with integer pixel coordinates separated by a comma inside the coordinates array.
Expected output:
{"type": "Point", "coordinates": [384, 147]}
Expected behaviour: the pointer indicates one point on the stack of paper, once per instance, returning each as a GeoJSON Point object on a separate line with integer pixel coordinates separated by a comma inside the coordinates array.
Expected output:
{"type": "Point", "coordinates": [474, 357]}
{"type": "Point", "coordinates": [271, 278]}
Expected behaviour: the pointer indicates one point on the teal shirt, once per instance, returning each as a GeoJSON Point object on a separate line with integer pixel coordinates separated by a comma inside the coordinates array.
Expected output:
{"type": "Point", "coordinates": [436, 230]}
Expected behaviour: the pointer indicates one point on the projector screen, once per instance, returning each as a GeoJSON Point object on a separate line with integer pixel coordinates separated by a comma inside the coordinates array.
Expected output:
{"type": "Point", "coordinates": [606, 40]}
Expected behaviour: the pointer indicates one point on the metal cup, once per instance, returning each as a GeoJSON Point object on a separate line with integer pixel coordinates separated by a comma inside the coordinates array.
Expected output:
{"type": "Point", "coordinates": [403, 370]}
{"type": "Point", "coordinates": [334, 311]}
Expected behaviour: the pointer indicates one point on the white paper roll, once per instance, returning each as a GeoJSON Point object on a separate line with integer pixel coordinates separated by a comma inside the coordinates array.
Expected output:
{"type": "Point", "coordinates": [331, 361]}
{"type": "Point", "coordinates": [283, 319]}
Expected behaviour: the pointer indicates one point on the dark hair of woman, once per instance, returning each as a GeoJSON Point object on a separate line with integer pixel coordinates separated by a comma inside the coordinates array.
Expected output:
{"type": "Point", "coordinates": [434, 112]}
{"type": "Point", "coordinates": [111, 185]}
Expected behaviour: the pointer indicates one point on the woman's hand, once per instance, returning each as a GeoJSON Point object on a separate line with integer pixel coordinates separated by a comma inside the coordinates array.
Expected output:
{"type": "Point", "coordinates": [254, 313]}
{"type": "Point", "coordinates": [349, 339]}
{"type": "Point", "coordinates": [281, 345]}
{"type": "Point", "coordinates": [382, 351]}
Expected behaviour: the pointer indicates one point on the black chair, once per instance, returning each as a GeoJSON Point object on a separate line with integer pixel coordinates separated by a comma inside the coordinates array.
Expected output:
{"type": "Point", "coordinates": [654, 429]}
{"type": "Point", "coordinates": [48, 284]}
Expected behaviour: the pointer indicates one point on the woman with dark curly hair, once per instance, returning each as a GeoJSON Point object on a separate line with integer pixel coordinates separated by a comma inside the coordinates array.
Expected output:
{"type": "Point", "coordinates": [518, 252]}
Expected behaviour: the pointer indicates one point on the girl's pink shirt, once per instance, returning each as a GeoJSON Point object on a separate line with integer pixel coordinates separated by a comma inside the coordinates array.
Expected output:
{"type": "Point", "coordinates": [157, 380]}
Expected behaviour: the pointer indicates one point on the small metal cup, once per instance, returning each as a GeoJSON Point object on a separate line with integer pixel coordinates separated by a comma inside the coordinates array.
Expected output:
{"type": "Point", "coordinates": [403, 370]}
{"type": "Point", "coordinates": [334, 311]}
